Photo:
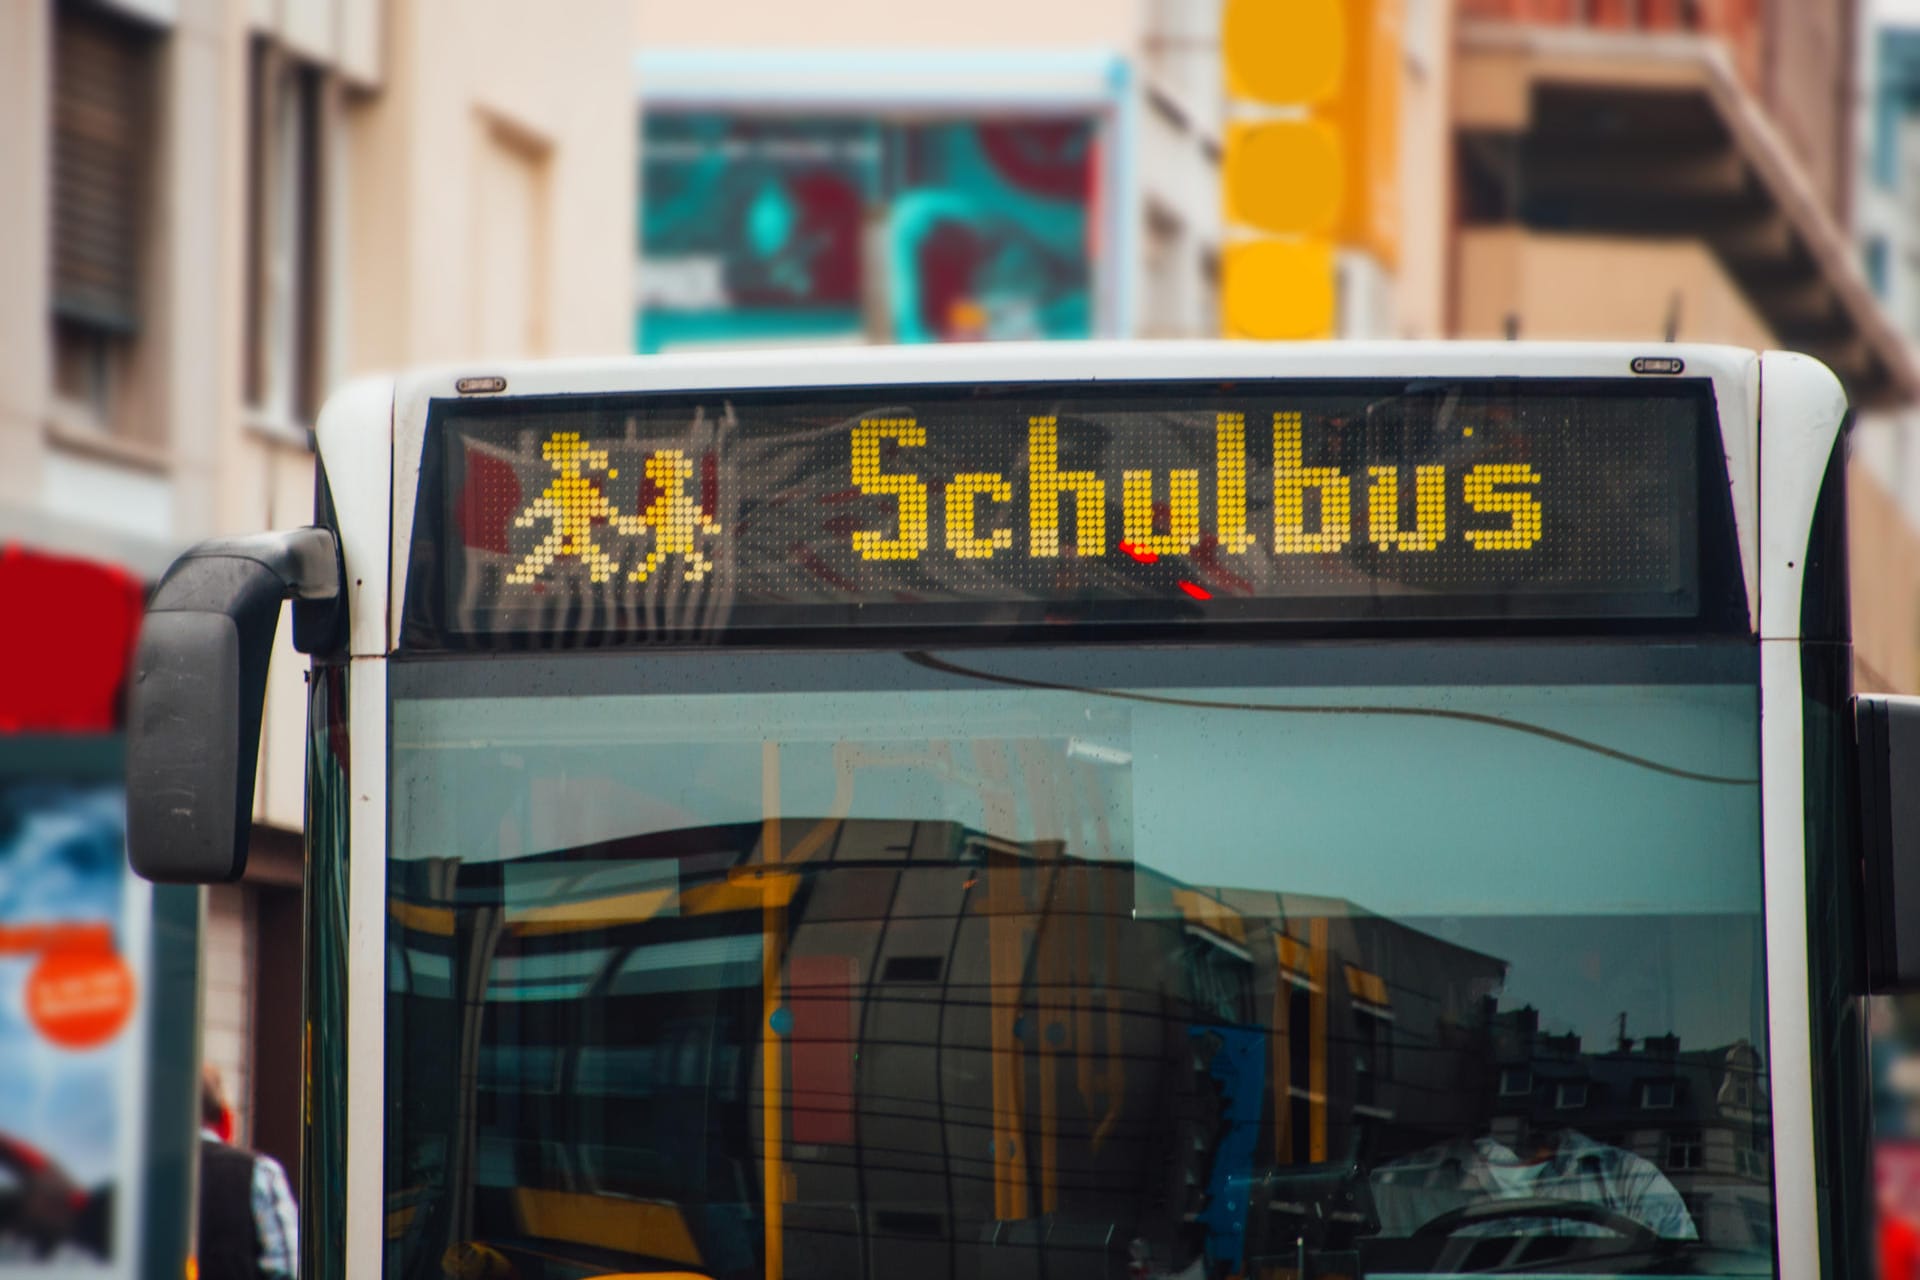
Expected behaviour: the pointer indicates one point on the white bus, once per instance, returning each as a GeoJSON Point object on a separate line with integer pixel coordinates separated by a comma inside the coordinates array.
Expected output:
{"type": "Point", "coordinates": [1069, 811]}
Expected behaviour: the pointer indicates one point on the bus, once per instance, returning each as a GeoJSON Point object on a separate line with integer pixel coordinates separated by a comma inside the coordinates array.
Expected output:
{"type": "Point", "coordinates": [1058, 811]}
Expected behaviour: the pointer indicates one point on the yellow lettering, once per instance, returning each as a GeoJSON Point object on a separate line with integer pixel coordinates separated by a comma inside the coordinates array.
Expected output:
{"type": "Point", "coordinates": [912, 495]}
{"type": "Point", "coordinates": [1429, 509]}
{"type": "Point", "coordinates": [1046, 482]}
{"type": "Point", "coordinates": [1521, 508]}
{"type": "Point", "coordinates": [1183, 524]}
{"type": "Point", "coordinates": [1230, 482]}
{"type": "Point", "coordinates": [962, 493]}
{"type": "Point", "coordinates": [1291, 480]}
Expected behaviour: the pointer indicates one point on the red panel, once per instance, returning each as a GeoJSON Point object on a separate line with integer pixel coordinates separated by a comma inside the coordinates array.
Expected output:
{"type": "Point", "coordinates": [820, 993]}
{"type": "Point", "coordinates": [488, 503]}
{"type": "Point", "coordinates": [1896, 1168]}
{"type": "Point", "coordinates": [67, 629]}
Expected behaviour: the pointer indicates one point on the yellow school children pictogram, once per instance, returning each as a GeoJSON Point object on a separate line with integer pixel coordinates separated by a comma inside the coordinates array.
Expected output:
{"type": "Point", "coordinates": [573, 502]}
{"type": "Point", "coordinates": [673, 518]}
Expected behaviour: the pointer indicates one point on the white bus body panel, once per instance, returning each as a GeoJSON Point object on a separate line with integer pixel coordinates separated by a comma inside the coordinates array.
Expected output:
{"type": "Point", "coordinates": [355, 435]}
{"type": "Point", "coordinates": [366, 1208]}
{"type": "Point", "coordinates": [1802, 409]}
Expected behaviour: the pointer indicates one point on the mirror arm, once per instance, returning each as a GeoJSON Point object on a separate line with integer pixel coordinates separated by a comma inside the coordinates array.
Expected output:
{"type": "Point", "coordinates": [304, 563]}
{"type": "Point", "coordinates": [217, 609]}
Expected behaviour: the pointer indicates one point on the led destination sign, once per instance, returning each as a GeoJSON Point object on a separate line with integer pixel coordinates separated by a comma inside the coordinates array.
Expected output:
{"type": "Point", "coordinates": [948, 506]}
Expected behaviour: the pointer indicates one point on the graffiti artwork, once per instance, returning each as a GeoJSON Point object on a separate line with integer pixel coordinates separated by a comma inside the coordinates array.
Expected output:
{"type": "Point", "coordinates": [779, 227]}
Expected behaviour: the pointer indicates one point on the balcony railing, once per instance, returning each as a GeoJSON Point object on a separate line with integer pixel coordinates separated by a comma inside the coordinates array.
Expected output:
{"type": "Point", "coordinates": [1737, 23]}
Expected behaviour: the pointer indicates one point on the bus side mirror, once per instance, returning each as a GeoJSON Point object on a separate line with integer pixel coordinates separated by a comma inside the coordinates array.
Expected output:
{"type": "Point", "coordinates": [199, 687]}
{"type": "Point", "coordinates": [1887, 731]}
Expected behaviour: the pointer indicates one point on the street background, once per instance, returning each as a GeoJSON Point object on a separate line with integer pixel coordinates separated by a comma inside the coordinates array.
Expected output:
{"type": "Point", "coordinates": [220, 210]}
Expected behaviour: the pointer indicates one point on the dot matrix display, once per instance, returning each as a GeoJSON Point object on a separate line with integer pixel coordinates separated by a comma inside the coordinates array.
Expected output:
{"type": "Point", "coordinates": [948, 506]}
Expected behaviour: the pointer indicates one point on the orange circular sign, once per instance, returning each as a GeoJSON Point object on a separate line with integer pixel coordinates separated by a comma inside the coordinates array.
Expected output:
{"type": "Point", "coordinates": [80, 999]}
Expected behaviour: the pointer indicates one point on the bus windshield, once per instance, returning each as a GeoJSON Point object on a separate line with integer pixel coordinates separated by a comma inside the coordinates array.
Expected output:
{"type": "Point", "coordinates": [1413, 957]}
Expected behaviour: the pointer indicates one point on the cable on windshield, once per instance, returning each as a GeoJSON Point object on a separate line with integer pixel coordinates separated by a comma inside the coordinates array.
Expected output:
{"type": "Point", "coordinates": [927, 660]}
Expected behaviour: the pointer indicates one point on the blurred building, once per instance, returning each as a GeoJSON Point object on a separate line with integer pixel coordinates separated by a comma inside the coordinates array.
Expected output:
{"type": "Point", "coordinates": [231, 205]}
{"type": "Point", "coordinates": [1701, 1116]}
{"type": "Point", "coordinates": [1663, 169]}
{"type": "Point", "coordinates": [1887, 446]}
{"type": "Point", "coordinates": [1576, 169]}
{"type": "Point", "coordinates": [225, 207]}
{"type": "Point", "coordinates": [1001, 170]}
{"type": "Point", "coordinates": [1686, 170]}
{"type": "Point", "coordinates": [863, 172]}
{"type": "Point", "coordinates": [1887, 538]}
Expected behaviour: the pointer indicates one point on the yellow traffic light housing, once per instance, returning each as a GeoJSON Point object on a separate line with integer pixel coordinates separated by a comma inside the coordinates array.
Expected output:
{"type": "Point", "coordinates": [1283, 52]}
{"type": "Point", "coordinates": [1284, 176]}
{"type": "Point", "coordinates": [1277, 289]}
{"type": "Point", "coordinates": [1325, 173]}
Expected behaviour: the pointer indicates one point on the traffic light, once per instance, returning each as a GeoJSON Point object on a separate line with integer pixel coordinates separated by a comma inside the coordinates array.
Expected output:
{"type": "Point", "coordinates": [1311, 156]}
{"type": "Point", "coordinates": [1283, 51]}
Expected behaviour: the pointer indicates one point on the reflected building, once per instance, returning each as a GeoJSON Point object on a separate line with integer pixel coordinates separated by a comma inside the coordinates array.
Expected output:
{"type": "Point", "coordinates": [983, 1057]}
{"type": "Point", "coordinates": [1700, 1116]}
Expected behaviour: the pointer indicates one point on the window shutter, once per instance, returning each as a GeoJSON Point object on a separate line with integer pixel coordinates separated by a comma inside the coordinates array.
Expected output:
{"type": "Point", "coordinates": [101, 115]}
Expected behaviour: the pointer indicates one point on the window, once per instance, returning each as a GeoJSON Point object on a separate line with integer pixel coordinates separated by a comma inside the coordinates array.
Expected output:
{"type": "Point", "coordinates": [1010, 816]}
{"type": "Point", "coordinates": [103, 109]}
{"type": "Point", "coordinates": [1750, 1151]}
{"type": "Point", "coordinates": [1299, 1036]}
{"type": "Point", "coordinates": [1685, 1150]}
{"type": "Point", "coordinates": [912, 969]}
{"type": "Point", "coordinates": [284, 373]}
{"type": "Point", "coordinates": [1163, 314]}
{"type": "Point", "coordinates": [1656, 1095]}
{"type": "Point", "coordinates": [1874, 263]}
{"type": "Point", "coordinates": [1372, 1054]}
{"type": "Point", "coordinates": [1210, 326]}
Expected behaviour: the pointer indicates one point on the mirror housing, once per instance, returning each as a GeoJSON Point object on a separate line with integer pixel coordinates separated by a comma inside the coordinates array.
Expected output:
{"type": "Point", "coordinates": [1887, 734]}
{"type": "Point", "coordinates": [199, 687]}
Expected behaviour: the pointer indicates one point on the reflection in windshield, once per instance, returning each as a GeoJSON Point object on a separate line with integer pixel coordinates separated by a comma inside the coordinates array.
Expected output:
{"type": "Point", "coordinates": [941, 1007]}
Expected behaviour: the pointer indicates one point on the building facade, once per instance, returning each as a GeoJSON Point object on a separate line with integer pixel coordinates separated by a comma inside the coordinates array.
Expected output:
{"type": "Point", "coordinates": [1686, 170]}
{"type": "Point", "coordinates": [240, 203]}
{"type": "Point", "coordinates": [1145, 81]}
{"type": "Point", "coordinates": [1650, 170]}
{"type": "Point", "coordinates": [1886, 216]}
{"type": "Point", "coordinates": [234, 205]}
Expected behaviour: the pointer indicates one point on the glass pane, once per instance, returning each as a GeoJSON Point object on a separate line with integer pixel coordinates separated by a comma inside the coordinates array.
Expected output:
{"type": "Point", "coordinates": [1157, 964]}
{"type": "Point", "coordinates": [323, 1142]}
